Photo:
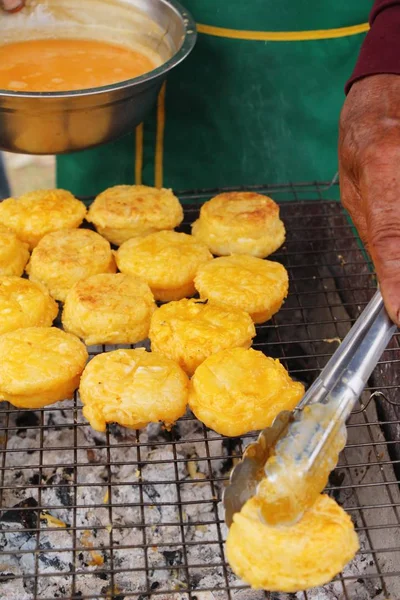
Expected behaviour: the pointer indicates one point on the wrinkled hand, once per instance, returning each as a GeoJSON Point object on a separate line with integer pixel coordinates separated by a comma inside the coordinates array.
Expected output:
{"type": "Point", "coordinates": [12, 5]}
{"type": "Point", "coordinates": [369, 158]}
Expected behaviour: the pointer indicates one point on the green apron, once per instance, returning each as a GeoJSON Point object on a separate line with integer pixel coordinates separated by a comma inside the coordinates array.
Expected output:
{"type": "Point", "coordinates": [240, 111]}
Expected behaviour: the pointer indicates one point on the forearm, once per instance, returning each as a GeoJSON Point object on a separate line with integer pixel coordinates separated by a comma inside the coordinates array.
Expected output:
{"type": "Point", "coordinates": [380, 52]}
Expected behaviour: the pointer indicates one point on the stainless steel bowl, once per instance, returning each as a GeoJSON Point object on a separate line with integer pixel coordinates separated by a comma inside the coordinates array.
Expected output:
{"type": "Point", "coordinates": [56, 123]}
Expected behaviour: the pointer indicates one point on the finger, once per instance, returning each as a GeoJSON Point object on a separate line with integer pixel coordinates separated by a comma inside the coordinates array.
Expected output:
{"type": "Point", "coordinates": [380, 191]}
{"type": "Point", "coordinates": [12, 5]}
{"type": "Point", "coordinates": [352, 202]}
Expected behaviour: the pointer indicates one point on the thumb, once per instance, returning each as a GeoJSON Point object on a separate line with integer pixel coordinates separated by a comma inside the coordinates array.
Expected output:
{"type": "Point", "coordinates": [380, 189]}
{"type": "Point", "coordinates": [12, 5]}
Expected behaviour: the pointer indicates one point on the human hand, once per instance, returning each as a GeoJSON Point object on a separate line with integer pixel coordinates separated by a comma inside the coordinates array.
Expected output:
{"type": "Point", "coordinates": [369, 170]}
{"type": "Point", "coordinates": [12, 5]}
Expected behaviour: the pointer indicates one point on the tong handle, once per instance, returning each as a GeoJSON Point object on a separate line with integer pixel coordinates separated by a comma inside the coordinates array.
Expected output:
{"type": "Point", "coordinates": [299, 469]}
{"type": "Point", "coordinates": [356, 357]}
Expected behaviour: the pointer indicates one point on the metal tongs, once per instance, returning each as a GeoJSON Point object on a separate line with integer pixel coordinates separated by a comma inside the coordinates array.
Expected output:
{"type": "Point", "coordinates": [290, 463]}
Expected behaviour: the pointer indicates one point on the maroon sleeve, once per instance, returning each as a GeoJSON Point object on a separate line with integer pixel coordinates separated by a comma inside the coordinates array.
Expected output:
{"type": "Point", "coordinates": [380, 52]}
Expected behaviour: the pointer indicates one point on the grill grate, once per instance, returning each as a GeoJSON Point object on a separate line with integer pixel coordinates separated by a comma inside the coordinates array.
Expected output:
{"type": "Point", "coordinates": [138, 515]}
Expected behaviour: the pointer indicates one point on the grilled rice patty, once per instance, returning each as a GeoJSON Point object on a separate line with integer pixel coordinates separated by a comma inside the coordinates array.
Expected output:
{"type": "Point", "coordinates": [291, 558]}
{"type": "Point", "coordinates": [109, 309]}
{"type": "Point", "coordinates": [189, 331]}
{"type": "Point", "coordinates": [24, 303]}
{"type": "Point", "coordinates": [240, 223]}
{"type": "Point", "coordinates": [257, 286]}
{"type": "Point", "coordinates": [167, 260]}
{"type": "Point", "coordinates": [237, 390]}
{"type": "Point", "coordinates": [39, 366]}
{"type": "Point", "coordinates": [64, 257]}
{"type": "Point", "coordinates": [133, 388]}
{"type": "Point", "coordinates": [126, 211]}
{"type": "Point", "coordinates": [14, 254]}
{"type": "Point", "coordinates": [33, 215]}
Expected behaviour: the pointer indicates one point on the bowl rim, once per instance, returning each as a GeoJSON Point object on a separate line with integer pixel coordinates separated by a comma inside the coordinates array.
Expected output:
{"type": "Point", "coordinates": [189, 41]}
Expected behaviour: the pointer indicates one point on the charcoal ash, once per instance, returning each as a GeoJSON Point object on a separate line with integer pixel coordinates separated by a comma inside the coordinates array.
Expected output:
{"type": "Point", "coordinates": [146, 483]}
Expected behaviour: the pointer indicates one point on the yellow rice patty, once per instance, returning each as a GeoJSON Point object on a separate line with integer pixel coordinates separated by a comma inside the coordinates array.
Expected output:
{"type": "Point", "coordinates": [109, 309]}
{"type": "Point", "coordinates": [64, 257]}
{"type": "Point", "coordinates": [127, 211]}
{"type": "Point", "coordinates": [14, 254]}
{"type": "Point", "coordinates": [257, 286]}
{"type": "Point", "coordinates": [167, 260]}
{"type": "Point", "coordinates": [39, 366]}
{"type": "Point", "coordinates": [133, 388]}
{"type": "Point", "coordinates": [293, 558]}
{"type": "Point", "coordinates": [35, 214]}
{"type": "Point", "coordinates": [189, 331]}
{"type": "Point", "coordinates": [237, 390]}
{"type": "Point", "coordinates": [25, 304]}
{"type": "Point", "coordinates": [240, 223]}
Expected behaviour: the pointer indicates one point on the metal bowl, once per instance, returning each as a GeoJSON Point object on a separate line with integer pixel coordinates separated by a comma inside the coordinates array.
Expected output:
{"type": "Point", "coordinates": [56, 123]}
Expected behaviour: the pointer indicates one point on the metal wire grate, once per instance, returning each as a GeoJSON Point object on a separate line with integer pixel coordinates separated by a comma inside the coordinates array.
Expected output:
{"type": "Point", "coordinates": [137, 514]}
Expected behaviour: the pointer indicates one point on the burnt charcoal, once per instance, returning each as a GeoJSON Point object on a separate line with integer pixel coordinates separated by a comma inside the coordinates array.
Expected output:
{"type": "Point", "coordinates": [231, 445]}
{"type": "Point", "coordinates": [101, 575]}
{"type": "Point", "coordinates": [195, 581]}
{"type": "Point", "coordinates": [35, 479]}
{"type": "Point", "coordinates": [162, 434]}
{"type": "Point", "coordinates": [25, 420]}
{"type": "Point", "coordinates": [53, 562]}
{"type": "Point", "coordinates": [52, 423]}
{"type": "Point", "coordinates": [116, 431]}
{"type": "Point", "coordinates": [61, 482]}
{"type": "Point", "coordinates": [173, 557]}
{"type": "Point", "coordinates": [64, 494]}
{"type": "Point", "coordinates": [151, 492]}
{"type": "Point", "coordinates": [155, 585]}
{"type": "Point", "coordinates": [26, 518]}
{"type": "Point", "coordinates": [98, 441]}
{"type": "Point", "coordinates": [227, 465]}
{"type": "Point", "coordinates": [336, 479]}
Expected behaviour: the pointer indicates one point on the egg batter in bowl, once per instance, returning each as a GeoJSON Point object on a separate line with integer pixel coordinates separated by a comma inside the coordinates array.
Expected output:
{"type": "Point", "coordinates": [57, 65]}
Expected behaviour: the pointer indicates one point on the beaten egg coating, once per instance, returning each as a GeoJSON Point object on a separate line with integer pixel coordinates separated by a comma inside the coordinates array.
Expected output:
{"type": "Point", "coordinates": [109, 309]}
{"type": "Point", "coordinates": [167, 260]}
{"type": "Point", "coordinates": [64, 257]}
{"type": "Point", "coordinates": [240, 223]}
{"type": "Point", "coordinates": [40, 366]}
{"type": "Point", "coordinates": [14, 254]}
{"type": "Point", "coordinates": [133, 388]}
{"type": "Point", "coordinates": [25, 304]}
{"type": "Point", "coordinates": [257, 286]}
{"type": "Point", "coordinates": [237, 390]}
{"type": "Point", "coordinates": [37, 213]}
{"type": "Point", "coordinates": [189, 331]}
{"type": "Point", "coordinates": [127, 211]}
{"type": "Point", "coordinates": [293, 558]}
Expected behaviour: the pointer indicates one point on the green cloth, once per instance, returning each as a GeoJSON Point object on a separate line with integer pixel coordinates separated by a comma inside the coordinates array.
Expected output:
{"type": "Point", "coordinates": [241, 112]}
